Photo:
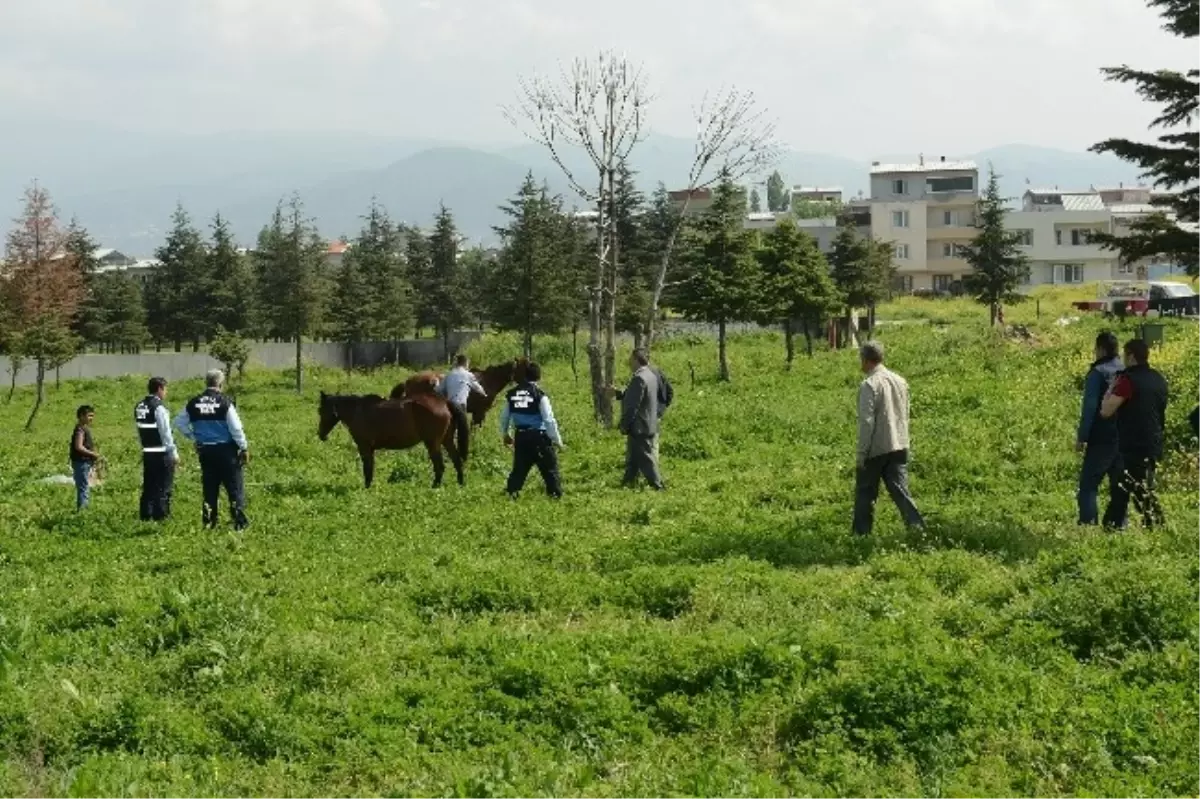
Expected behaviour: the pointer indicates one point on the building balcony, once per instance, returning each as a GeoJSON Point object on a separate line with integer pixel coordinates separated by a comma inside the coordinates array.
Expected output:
{"type": "Point", "coordinates": [948, 266]}
{"type": "Point", "coordinates": [943, 199]}
{"type": "Point", "coordinates": [951, 232]}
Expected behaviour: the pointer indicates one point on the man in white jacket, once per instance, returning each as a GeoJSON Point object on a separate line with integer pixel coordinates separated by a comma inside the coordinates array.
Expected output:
{"type": "Point", "coordinates": [882, 441]}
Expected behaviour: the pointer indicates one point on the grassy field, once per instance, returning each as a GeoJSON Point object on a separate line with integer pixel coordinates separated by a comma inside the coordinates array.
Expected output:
{"type": "Point", "coordinates": [727, 637]}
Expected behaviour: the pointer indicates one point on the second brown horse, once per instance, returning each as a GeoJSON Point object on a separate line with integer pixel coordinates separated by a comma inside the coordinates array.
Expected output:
{"type": "Point", "coordinates": [420, 416]}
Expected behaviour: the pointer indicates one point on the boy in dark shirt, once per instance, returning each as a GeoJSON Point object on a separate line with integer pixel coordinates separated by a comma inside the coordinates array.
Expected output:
{"type": "Point", "coordinates": [83, 454]}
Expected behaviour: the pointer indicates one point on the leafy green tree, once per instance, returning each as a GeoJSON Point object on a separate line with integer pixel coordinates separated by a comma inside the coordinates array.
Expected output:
{"type": "Point", "coordinates": [1174, 161]}
{"type": "Point", "coordinates": [778, 196]}
{"type": "Point", "coordinates": [443, 290]}
{"type": "Point", "coordinates": [377, 268]}
{"type": "Point", "coordinates": [635, 262]}
{"type": "Point", "coordinates": [723, 280]}
{"type": "Point", "coordinates": [178, 290]}
{"type": "Point", "coordinates": [231, 350]}
{"type": "Point", "coordinates": [42, 289]}
{"type": "Point", "coordinates": [351, 305]}
{"type": "Point", "coordinates": [479, 280]}
{"type": "Point", "coordinates": [755, 201]}
{"type": "Point", "coordinates": [796, 286]}
{"type": "Point", "coordinates": [533, 294]}
{"type": "Point", "coordinates": [861, 268]}
{"type": "Point", "coordinates": [998, 264]}
{"type": "Point", "coordinates": [231, 298]}
{"type": "Point", "coordinates": [418, 263]}
{"type": "Point", "coordinates": [816, 209]}
{"type": "Point", "coordinates": [290, 261]}
{"type": "Point", "coordinates": [114, 313]}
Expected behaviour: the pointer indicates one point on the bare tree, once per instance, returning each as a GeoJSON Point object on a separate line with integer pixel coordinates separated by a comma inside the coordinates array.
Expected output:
{"type": "Point", "coordinates": [597, 105]}
{"type": "Point", "coordinates": [734, 138]}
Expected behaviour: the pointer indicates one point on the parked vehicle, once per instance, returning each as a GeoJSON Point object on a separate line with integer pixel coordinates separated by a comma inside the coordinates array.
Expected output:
{"type": "Point", "coordinates": [1174, 299]}
{"type": "Point", "coordinates": [1141, 298]}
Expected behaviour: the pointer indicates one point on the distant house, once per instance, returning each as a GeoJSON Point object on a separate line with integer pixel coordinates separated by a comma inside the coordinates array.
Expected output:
{"type": "Point", "coordinates": [335, 253]}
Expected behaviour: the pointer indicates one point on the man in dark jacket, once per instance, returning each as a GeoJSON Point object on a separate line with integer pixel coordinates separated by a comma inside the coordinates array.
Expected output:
{"type": "Point", "coordinates": [527, 409]}
{"type": "Point", "coordinates": [639, 422]}
{"type": "Point", "coordinates": [1097, 437]}
{"type": "Point", "coordinates": [1138, 400]}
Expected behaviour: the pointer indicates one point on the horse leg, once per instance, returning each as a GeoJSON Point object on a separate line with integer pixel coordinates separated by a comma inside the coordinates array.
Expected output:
{"type": "Point", "coordinates": [439, 463]}
{"type": "Point", "coordinates": [368, 464]}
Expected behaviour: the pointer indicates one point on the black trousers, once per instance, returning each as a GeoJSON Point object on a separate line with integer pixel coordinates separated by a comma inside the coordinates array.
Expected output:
{"type": "Point", "coordinates": [892, 469]}
{"type": "Point", "coordinates": [1137, 482]}
{"type": "Point", "coordinates": [219, 466]}
{"type": "Point", "coordinates": [158, 480]}
{"type": "Point", "coordinates": [534, 448]}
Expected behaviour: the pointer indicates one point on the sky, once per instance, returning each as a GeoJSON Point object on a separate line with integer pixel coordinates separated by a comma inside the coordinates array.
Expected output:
{"type": "Point", "coordinates": [858, 78]}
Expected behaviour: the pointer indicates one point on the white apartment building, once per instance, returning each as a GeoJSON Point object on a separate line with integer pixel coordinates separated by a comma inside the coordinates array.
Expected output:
{"type": "Point", "coordinates": [821, 194]}
{"type": "Point", "coordinates": [927, 210]}
{"type": "Point", "coordinates": [1056, 228]}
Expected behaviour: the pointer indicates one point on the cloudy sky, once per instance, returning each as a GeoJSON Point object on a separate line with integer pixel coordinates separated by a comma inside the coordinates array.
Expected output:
{"type": "Point", "coordinates": [852, 77]}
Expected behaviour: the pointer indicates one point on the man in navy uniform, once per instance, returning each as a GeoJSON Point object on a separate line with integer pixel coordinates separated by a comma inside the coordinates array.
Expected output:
{"type": "Point", "coordinates": [527, 409]}
{"type": "Point", "coordinates": [211, 421]}
{"type": "Point", "coordinates": [159, 455]}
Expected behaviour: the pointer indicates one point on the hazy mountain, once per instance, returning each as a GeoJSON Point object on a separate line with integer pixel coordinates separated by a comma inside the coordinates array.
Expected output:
{"type": "Point", "coordinates": [123, 185]}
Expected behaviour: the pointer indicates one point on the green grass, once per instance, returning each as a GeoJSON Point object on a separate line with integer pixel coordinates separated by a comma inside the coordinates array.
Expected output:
{"type": "Point", "coordinates": [727, 637]}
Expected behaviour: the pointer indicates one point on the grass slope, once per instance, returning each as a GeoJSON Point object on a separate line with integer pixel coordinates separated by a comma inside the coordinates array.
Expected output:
{"type": "Point", "coordinates": [728, 637]}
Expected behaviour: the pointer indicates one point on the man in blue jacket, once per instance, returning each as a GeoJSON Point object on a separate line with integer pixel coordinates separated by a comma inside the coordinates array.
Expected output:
{"type": "Point", "coordinates": [1097, 437]}
{"type": "Point", "coordinates": [211, 421]}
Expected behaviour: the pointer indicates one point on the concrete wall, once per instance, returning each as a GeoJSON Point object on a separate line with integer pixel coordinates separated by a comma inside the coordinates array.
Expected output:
{"type": "Point", "coordinates": [182, 365]}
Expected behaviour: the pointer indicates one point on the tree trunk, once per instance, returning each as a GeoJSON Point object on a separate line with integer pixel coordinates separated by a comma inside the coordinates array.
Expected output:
{"type": "Point", "coordinates": [808, 344]}
{"type": "Point", "coordinates": [789, 342]}
{"type": "Point", "coordinates": [299, 370]}
{"type": "Point", "coordinates": [871, 320]}
{"type": "Point", "coordinates": [41, 393]}
{"type": "Point", "coordinates": [446, 344]}
{"type": "Point", "coordinates": [57, 377]}
{"type": "Point", "coordinates": [13, 368]}
{"type": "Point", "coordinates": [527, 344]}
{"type": "Point", "coordinates": [664, 264]}
{"type": "Point", "coordinates": [722, 360]}
{"type": "Point", "coordinates": [179, 345]}
{"type": "Point", "coordinates": [992, 308]}
{"type": "Point", "coordinates": [575, 351]}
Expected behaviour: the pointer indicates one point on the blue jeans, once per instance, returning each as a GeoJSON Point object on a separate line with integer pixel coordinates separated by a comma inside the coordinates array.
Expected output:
{"type": "Point", "coordinates": [1100, 460]}
{"type": "Point", "coordinates": [81, 470]}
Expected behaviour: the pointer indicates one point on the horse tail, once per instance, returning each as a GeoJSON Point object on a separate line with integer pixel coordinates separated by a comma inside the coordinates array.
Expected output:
{"type": "Point", "coordinates": [462, 430]}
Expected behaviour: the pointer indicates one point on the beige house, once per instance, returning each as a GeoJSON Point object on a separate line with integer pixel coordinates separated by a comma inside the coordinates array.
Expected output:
{"type": "Point", "coordinates": [817, 194]}
{"type": "Point", "coordinates": [927, 210]}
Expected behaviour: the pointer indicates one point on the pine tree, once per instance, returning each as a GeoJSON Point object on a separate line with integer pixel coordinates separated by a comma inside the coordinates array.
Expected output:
{"type": "Point", "coordinates": [657, 223]}
{"type": "Point", "coordinates": [755, 201]}
{"type": "Point", "coordinates": [778, 197]}
{"type": "Point", "coordinates": [796, 283]}
{"type": "Point", "coordinates": [229, 306]}
{"type": "Point", "coordinates": [634, 262]}
{"type": "Point", "coordinates": [861, 270]}
{"type": "Point", "coordinates": [43, 288]}
{"type": "Point", "coordinates": [1174, 161]}
{"type": "Point", "coordinates": [532, 292]}
{"type": "Point", "coordinates": [443, 287]}
{"type": "Point", "coordinates": [81, 249]}
{"type": "Point", "coordinates": [179, 289]}
{"type": "Point", "coordinates": [998, 264]}
{"type": "Point", "coordinates": [723, 279]}
{"type": "Point", "coordinates": [478, 268]}
{"type": "Point", "coordinates": [378, 252]}
{"type": "Point", "coordinates": [289, 259]}
{"type": "Point", "coordinates": [115, 313]}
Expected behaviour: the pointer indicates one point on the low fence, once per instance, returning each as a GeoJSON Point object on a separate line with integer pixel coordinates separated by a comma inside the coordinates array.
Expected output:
{"type": "Point", "coordinates": [183, 365]}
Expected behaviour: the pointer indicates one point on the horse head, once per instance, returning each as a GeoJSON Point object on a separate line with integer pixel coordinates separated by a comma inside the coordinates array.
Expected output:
{"type": "Point", "coordinates": [421, 383]}
{"type": "Point", "coordinates": [327, 416]}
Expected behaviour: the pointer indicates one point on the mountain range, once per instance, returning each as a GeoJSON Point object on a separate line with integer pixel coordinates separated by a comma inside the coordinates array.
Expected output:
{"type": "Point", "coordinates": [124, 185]}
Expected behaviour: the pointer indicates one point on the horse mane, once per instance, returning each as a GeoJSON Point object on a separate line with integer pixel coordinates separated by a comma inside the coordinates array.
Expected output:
{"type": "Point", "coordinates": [420, 383]}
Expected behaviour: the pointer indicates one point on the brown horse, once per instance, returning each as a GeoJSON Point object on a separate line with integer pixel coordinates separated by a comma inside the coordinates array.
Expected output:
{"type": "Point", "coordinates": [494, 379]}
{"type": "Point", "coordinates": [375, 423]}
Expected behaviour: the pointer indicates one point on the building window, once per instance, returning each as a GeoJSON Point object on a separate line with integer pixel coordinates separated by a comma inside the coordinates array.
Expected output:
{"type": "Point", "coordinates": [1080, 237]}
{"type": "Point", "coordinates": [952, 250]}
{"type": "Point", "coordinates": [902, 252]}
{"type": "Point", "coordinates": [1125, 269]}
{"type": "Point", "coordinates": [899, 218]}
{"type": "Point", "coordinates": [950, 218]}
{"type": "Point", "coordinates": [1068, 273]}
{"type": "Point", "coordinates": [1024, 238]}
{"type": "Point", "coordinates": [899, 187]}
{"type": "Point", "coordinates": [1058, 237]}
{"type": "Point", "coordinates": [942, 282]}
{"type": "Point", "coordinates": [965, 183]}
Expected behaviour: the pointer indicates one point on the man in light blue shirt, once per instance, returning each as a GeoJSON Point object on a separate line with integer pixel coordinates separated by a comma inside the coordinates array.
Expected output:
{"type": "Point", "coordinates": [211, 421]}
{"type": "Point", "coordinates": [159, 455]}
{"type": "Point", "coordinates": [458, 384]}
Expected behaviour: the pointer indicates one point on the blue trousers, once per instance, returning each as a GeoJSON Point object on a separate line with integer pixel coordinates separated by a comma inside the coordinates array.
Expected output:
{"type": "Point", "coordinates": [1100, 460]}
{"type": "Point", "coordinates": [81, 471]}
